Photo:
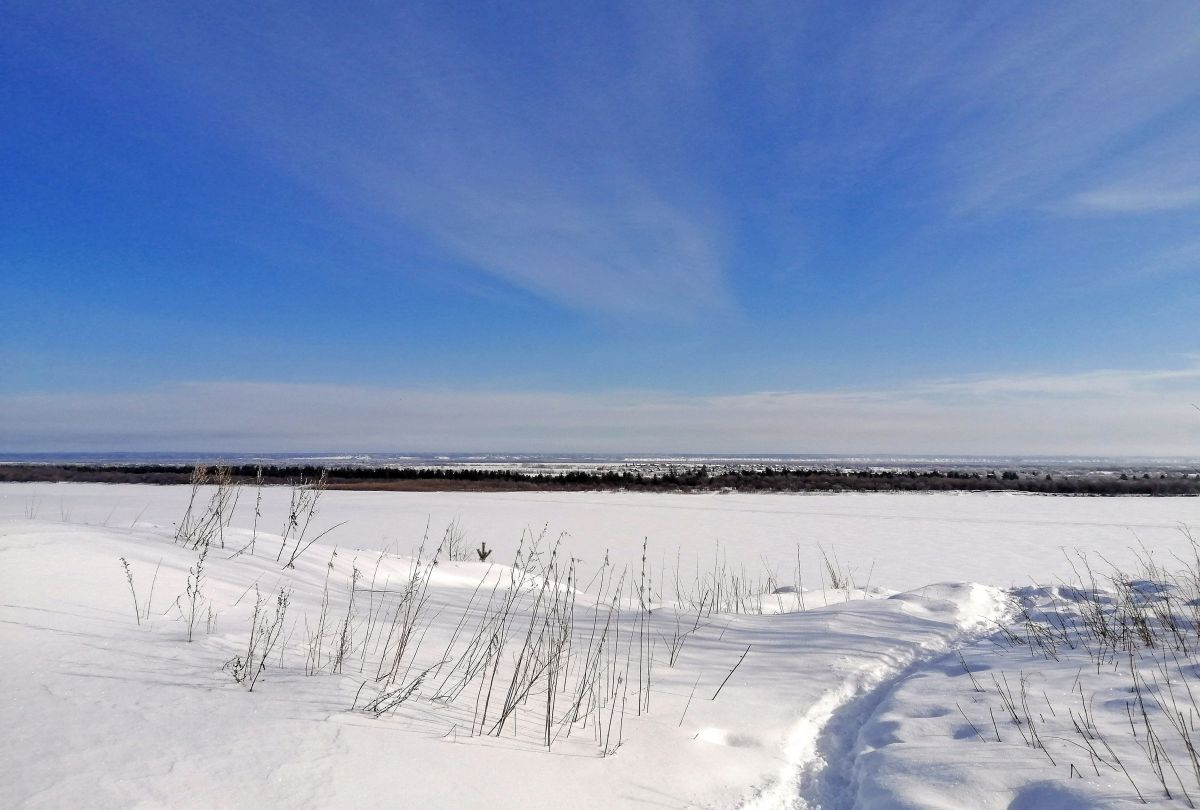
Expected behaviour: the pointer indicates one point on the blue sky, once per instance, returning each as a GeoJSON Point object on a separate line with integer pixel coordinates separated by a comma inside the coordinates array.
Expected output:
{"type": "Point", "coordinates": [656, 216]}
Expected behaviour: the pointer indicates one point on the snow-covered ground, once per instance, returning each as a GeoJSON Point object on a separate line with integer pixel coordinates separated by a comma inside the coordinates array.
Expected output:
{"type": "Point", "coordinates": [388, 681]}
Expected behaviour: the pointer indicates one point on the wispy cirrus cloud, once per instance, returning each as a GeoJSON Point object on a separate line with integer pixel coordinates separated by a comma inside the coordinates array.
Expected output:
{"type": "Point", "coordinates": [516, 146]}
{"type": "Point", "coordinates": [1015, 105]}
{"type": "Point", "coordinates": [607, 163]}
{"type": "Point", "coordinates": [1140, 198]}
{"type": "Point", "coordinates": [436, 137]}
{"type": "Point", "coordinates": [1154, 175]}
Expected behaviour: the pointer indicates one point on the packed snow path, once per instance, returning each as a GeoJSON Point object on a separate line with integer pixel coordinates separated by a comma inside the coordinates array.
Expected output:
{"type": "Point", "coordinates": [821, 748]}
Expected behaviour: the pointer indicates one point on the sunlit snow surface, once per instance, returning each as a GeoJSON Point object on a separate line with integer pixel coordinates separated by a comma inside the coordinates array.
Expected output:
{"type": "Point", "coordinates": [866, 702]}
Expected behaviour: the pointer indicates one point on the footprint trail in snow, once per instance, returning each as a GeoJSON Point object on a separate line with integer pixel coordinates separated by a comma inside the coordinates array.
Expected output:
{"type": "Point", "coordinates": [820, 751]}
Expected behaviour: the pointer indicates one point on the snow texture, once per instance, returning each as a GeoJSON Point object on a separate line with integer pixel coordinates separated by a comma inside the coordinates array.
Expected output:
{"type": "Point", "coordinates": [880, 693]}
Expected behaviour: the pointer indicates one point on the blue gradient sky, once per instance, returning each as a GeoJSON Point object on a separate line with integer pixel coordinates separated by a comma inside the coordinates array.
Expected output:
{"type": "Point", "coordinates": [645, 207]}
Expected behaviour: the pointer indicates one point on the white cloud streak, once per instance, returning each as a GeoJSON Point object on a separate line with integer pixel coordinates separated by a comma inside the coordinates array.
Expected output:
{"type": "Point", "coordinates": [403, 118]}
{"type": "Point", "coordinates": [1109, 412]}
{"type": "Point", "coordinates": [1161, 175]}
{"type": "Point", "coordinates": [1139, 199]}
{"type": "Point", "coordinates": [1020, 102]}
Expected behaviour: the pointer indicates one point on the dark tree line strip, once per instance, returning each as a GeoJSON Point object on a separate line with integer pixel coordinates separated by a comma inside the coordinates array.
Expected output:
{"type": "Point", "coordinates": [693, 478]}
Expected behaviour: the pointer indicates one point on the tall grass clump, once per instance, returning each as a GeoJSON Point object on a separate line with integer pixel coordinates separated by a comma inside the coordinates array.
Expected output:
{"type": "Point", "coordinates": [137, 610]}
{"type": "Point", "coordinates": [531, 650]}
{"type": "Point", "coordinates": [302, 509]}
{"type": "Point", "coordinates": [534, 654]}
{"type": "Point", "coordinates": [1128, 631]}
{"type": "Point", "coordinates": [265, 633]}
{"type": "Point", "coordinates": [204, 524]}
{"type": "Point", "coordinates": [192, 603]}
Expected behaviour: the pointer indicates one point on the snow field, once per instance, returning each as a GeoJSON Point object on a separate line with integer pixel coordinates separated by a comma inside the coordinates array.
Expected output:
{"type": "Point", "coordinates": [1098, 681]}
{"type": "Point", "coordinates": [854, 704]}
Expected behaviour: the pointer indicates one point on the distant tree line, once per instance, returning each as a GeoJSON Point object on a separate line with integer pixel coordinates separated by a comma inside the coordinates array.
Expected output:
{"type": "Point", "coordinates": [689, 478]}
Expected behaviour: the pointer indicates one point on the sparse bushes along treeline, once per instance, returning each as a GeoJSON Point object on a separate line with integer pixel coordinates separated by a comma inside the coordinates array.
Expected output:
{"type": "Point", "coordinates": [685, 478]}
